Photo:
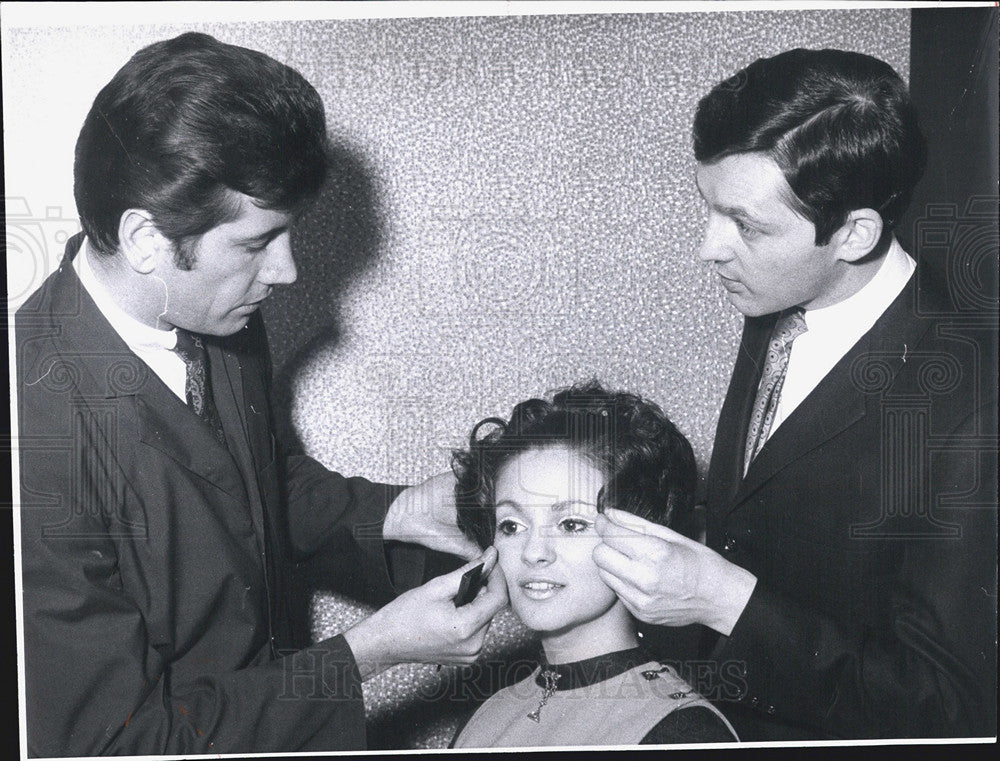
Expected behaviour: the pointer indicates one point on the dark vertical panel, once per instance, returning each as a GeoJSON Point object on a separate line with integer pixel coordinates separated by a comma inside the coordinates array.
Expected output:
{"type": "Point", "coordinates": [953, 81]}
{"type": "Point", "coordinates": [953, 224]}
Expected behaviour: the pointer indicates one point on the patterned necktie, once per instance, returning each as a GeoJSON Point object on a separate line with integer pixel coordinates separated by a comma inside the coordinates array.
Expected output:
{"type": "Point", "coordinates": [789, 326]}
{"type": "Point", "coordinates": [196, 386]}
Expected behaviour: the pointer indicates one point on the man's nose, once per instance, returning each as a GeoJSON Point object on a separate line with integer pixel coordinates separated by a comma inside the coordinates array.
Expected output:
{"type": "Point", "coordinates": [715, 245]}
{"type": "Point", "coordinates": [279, 269]}
{"type": "Point", "coordinates": [538, 547]}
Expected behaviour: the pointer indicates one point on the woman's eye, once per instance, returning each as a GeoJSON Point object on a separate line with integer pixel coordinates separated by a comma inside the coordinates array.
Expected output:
{"type": "Point", "coordinates": [574, 525]}
{"type": "Point", "coordinates": [507, 527]}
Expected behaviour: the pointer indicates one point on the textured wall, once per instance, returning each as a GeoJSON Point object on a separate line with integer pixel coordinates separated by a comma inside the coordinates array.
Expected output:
{"type": "Point", "coordinates": [512, 210]}
{"type": "Point", "coordinates": [527, 217]}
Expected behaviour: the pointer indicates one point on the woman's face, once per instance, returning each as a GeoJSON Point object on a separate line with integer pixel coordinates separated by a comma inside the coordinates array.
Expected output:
{"type": "Point", "coordinates": [546, 504]}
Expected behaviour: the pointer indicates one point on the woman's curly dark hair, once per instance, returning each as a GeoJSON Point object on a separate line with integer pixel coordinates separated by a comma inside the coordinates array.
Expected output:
{"type": "Point", "coordinates": [649, 466]}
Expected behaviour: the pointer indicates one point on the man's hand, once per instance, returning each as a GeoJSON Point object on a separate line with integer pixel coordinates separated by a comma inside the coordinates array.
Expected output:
{"type": "Point", "coordinates": [425, 514]}
{"type": "Point", "coordinates": [424, 626]}
{"type": "Point", "coordinates": [667, 579]}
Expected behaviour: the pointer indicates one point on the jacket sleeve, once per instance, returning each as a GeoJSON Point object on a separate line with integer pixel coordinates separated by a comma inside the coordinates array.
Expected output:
{"type": "Point", "coordinates": [324, 506]}
{"type": "Point", "coordinates": [930, 672]}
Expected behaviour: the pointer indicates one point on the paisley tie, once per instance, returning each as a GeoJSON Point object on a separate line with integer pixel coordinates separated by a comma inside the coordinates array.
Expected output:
{"type": "Point", "coordinates": [789, 326]}
{"type": "Point", "coordinates": [197, 388]}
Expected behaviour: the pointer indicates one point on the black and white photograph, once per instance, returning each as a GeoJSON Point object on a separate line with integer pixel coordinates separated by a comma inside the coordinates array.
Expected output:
{"type": "Point", "coordinates": [445, 376]}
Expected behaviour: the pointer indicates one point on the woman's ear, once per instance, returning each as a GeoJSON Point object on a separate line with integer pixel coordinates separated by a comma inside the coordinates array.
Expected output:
{"type": "Point", "coordinates": [858, 235]}
{"type": "Point", "coordinates": [141, 242]}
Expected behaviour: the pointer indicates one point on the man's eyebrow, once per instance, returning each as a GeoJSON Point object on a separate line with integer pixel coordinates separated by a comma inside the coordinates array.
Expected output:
{"type": "Point", "coordinates": [742, 213]}
{"type": "Point", "coordinates": [731, 211]}
{"type": "Point", "coordinates": [738, 212]}
{"type": "Point", "coordinates": [265, 237]}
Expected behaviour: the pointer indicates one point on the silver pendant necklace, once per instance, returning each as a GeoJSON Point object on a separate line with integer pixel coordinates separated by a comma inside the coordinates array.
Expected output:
{"type": "Point", "coordinates": [551, 679]}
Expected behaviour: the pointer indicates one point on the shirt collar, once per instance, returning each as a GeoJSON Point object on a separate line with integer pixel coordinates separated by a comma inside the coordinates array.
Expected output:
{"type": "Point", "coordinates": [137, 335]}
{"type": "Point", "coordinates": [871, 301]}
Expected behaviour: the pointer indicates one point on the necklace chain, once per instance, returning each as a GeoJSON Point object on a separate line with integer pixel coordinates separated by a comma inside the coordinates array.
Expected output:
{"type": "Point", "coordinates": [551, 679]}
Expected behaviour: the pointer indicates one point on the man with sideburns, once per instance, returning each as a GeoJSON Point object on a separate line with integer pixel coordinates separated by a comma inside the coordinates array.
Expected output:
{"type": "Point", "coordinates": [850, 570]}
{"type": "Point", "coordinates": [159, 514]}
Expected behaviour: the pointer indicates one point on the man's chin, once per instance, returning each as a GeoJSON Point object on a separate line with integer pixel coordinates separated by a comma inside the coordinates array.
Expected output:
{"type": "Point", "coordinates": [749, 307]}
{"type": "Point", "coordinates": [744, 307]}
{"type": "Point", "coordinates": [229, 326]}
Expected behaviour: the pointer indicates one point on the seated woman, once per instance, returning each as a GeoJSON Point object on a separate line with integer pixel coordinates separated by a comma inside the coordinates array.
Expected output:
{"type": "Point", "coordinates": [533, 487]}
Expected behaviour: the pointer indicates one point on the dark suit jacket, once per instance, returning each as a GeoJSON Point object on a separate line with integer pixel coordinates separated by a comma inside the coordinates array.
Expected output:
{"type": "Point", "coordinates": [869, 519]}
{"type": "Point", "coordinates": [154, 560]}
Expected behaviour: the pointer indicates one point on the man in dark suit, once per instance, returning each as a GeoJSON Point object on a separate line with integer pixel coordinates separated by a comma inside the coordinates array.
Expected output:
{"type": "Point", "coordinates": [158, 513]}
{"type": "Point", "coordinates": [849, 577]}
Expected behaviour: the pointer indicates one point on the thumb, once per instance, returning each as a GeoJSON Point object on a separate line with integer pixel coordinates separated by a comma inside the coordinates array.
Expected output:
{"type": "Point", "coordinates": [449, 582]}
{"type": "Point", "coordinates": [488, 558]}
{"type": "Point", "coordinates": [491, 598]}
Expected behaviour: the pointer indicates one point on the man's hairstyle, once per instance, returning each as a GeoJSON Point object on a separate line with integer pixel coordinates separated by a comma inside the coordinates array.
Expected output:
{"type": "Point", "coordinates": [840, 126]}
{"type": "Point", "coordinates": [185, 122]}
{"type": "Point", "coordinates": [648, 465]}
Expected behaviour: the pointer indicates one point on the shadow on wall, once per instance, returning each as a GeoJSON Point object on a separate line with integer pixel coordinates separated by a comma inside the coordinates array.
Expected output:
{"type": "Point", "coordinates": [337, 238]}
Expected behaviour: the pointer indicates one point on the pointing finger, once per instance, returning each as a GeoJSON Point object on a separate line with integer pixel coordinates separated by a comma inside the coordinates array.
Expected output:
{"type": "Point", "coordinates": [632, 522]}
{"type": "Point", "coordinates": [629, 522]}
{"type": "Point", "coordinates": [632, 544]}
{"type": "Point", "coordinates": [607, 527]}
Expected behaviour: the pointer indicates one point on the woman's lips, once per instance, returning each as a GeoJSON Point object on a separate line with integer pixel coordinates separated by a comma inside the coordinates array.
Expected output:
{"type": "Point", "coordinates": [539, 589]}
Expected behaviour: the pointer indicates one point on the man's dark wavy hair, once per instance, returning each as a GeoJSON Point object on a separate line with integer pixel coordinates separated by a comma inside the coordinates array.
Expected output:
{"type": "Point", "coordinates": [839, 124]}
{"type": "Point", "coordinates": [184, 122]}
{"type": "Point", "coordinates": [649, 465]}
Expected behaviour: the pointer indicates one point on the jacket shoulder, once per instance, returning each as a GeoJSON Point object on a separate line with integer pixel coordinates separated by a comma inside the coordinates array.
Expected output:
{"type": "Point", "coordinates": [37, 321]}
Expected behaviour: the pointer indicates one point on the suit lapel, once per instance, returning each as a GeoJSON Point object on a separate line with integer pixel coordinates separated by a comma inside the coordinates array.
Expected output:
{"type": "Point", "coordinates": [105, 368]}
{"type": "Point", "coordinates": [173, 429]}
{"type": "Point", "coordinates": [731, 433]}
{"type": "Point", "coordinates": [833, 406]}
{"type": "Point", "coordinates": [841, 398]}
{"type": "Point", "coordinates": [248, 386]}
{"type": "Point", "coordinates": [238, 416]}
{"type": "Point", "coordinates": [243, 402]}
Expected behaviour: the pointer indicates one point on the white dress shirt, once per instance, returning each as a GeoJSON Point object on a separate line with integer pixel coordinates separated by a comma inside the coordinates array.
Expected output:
{"type": "Point", "coordinates": [154, 347]}
{"type": "Point", "coordinates": [833, 330]}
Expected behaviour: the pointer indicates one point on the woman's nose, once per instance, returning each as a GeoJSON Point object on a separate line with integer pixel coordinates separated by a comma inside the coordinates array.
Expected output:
{"type": "Point", "coordinates": [538, 547]}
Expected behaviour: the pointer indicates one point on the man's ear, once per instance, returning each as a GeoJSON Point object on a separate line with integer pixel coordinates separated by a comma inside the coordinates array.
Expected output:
{"type": "Point", "coordinates": [141, 242]}
{"type": "Point", "coordinates": [858, 235]}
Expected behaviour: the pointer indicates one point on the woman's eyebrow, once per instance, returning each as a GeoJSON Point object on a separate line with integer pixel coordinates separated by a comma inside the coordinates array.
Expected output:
{"type": "Point", "coordinates": [561, 506]}
{"type": "Point", "coordinates": [566, 504]}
